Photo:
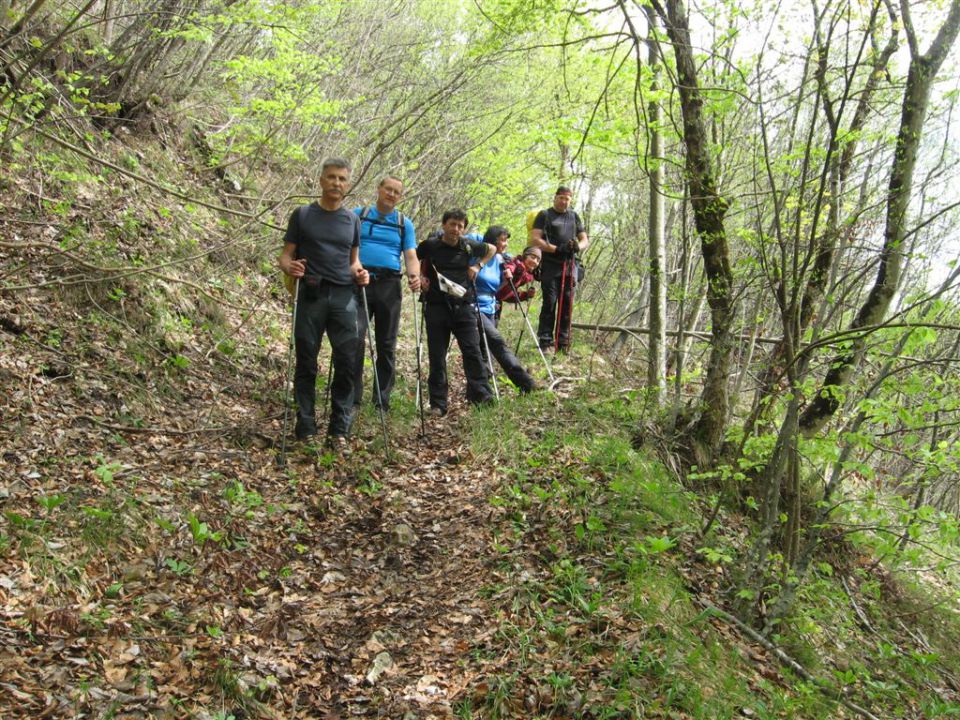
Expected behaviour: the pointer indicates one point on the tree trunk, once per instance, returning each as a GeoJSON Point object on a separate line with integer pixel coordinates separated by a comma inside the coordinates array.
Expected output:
{"type": "Point", "coordinates": [755, 571]}
{"type": "Point", "coordinates": [824, 248]}
{"type": "Point", "coordinates": [20, 24]}
{"type": "Point", "coordinates": [634, 317]}
{"type": "Point", "coordinates": [920, 77]}
{"type": "Point", "coordinates": [709, 209]}
{"type": "Point", "coordinates": [108, 22]}
{"type": "Point", "coordinates": [657, 349]}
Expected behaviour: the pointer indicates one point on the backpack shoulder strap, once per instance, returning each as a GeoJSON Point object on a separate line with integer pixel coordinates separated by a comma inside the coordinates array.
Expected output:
{"type": "Point", "coordinates": [302, 216]}
{"type": "Point", "coordinates": [401, 227]}
{"type": "Point", "coordinates": [302, 211]}
{"type": "Point", "coordinates": [364, 216]}
{"type": "Point", "coordinates": [302, 219]}
{"type": "Point", "coordinates": [546, 224]}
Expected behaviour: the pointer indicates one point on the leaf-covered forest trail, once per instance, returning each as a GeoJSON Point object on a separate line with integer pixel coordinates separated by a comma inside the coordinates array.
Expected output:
{"type": "Point", "coordinates": [167, 566]}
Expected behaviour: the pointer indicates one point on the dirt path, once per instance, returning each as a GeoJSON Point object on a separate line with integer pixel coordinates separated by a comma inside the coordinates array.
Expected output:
{"type": "Point", "coordinates": [394, 581]}
{"type": "Point", "coordinates": [164, 573]}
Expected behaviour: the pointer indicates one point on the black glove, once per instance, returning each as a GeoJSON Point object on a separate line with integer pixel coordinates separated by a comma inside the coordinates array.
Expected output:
{"type": "Point", "coordinates": [566, 251]}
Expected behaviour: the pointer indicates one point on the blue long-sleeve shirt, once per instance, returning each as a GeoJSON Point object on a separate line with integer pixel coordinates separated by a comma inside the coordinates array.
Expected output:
{"type": "Point", "coordinates": [488, 282]}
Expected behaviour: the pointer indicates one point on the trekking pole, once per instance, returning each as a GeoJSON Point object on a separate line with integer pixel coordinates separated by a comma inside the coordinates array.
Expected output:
{"type": "Point", "coordinates": [573, 292]}
{"type": "Point", "coordinates": [520, 304]}
{"type": "Point", "coordinates": [288, 389]}
{"type": "Point", "coordinates": [536, 340]}
{"type": "Point", "coordinates": [376, 375]}
{"type": "Point", "coordinates": [420, 354]}
{"type": "Point", "coordinates": [326, 390]}
{"type": "Point", "coordinates": [418, 329]}
{"type": "Point", "coordinates": [556, 325]}
{"type": "Point", "coordinates": [486, 344]}
{"type": "Point", "coordinates": [526, 318]}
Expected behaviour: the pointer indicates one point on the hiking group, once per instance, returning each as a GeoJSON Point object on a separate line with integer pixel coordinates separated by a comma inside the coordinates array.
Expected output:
{"type": "Point", "coordinates": [348, 267]}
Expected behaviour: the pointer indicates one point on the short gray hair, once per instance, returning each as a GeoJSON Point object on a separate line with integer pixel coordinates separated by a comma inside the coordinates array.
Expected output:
{"type": "Point", "coordinates": [335, 162]}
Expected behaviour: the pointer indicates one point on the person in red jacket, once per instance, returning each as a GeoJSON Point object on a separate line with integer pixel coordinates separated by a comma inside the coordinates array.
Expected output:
{"type": "Point", "coordinates": [516, 273]}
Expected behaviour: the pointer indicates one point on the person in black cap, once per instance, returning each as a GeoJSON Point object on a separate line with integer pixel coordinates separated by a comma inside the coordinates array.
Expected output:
{"type": "Point", "coordinates": [560, 235]}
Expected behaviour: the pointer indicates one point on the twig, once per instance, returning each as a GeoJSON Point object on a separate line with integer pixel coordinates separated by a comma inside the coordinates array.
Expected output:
{"type": "Point", "coordinates": [596, 327]}
{"type": "Point", "coordinates": [162, 431]}
{"type": "Point", "coordinates": [785, 659]}
{"type": "Point", "coordinates": [856, 609]}
{"type": "Point", "coordinates": [559, 380]}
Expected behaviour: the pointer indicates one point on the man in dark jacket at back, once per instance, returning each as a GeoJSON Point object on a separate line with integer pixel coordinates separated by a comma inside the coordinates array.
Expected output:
{"type": "Point", "coordinates": [322, 248]}
{"type": "Point", "coordinates": [451, 308]}
{"type": "Point", "coordinates": [560, 235]}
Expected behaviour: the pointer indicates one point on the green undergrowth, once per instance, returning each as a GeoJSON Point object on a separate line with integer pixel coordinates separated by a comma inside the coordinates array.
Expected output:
{"type": "Point", "coordinates": [605, 587]}
{"type": "Point", "coordinates": [147, 292]}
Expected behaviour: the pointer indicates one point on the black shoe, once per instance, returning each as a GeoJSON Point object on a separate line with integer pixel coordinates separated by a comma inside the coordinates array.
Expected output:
{"type": "Point", "coordinates": [305, 431]}
{"type": "Point", "coordinates": [532, 386]}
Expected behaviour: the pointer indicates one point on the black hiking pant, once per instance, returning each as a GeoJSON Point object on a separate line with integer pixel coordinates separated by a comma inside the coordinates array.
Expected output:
{"type": "Point", "coordinates": [552, 280]}
{"type": "Point", "coordinates": [384, 297]}
{"type": "Point", "coordinates": [330, 309]}
{"type": "Point", "coordinates": [459, 319]}
{"type": "Point", "coordinates": [504, 355]}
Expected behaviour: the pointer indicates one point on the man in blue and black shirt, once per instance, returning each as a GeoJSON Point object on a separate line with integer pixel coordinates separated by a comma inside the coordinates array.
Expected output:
{"type": "Point", "coordinates": [385, 236]}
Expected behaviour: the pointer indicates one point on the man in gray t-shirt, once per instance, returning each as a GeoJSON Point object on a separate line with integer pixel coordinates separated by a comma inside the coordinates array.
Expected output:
{"type": "Point", "coordinates": [321, 247]}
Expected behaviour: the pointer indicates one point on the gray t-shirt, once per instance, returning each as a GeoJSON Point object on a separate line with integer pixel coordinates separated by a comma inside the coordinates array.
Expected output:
{"type": "Point", "coordinates": [324, 239]}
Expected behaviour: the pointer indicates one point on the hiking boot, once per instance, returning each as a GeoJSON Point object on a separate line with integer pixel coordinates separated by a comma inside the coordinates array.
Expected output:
{"type": "Point", "coordinates": [305, 431]}
{"type": "Point", "coordinates": [338, 444]}
{"type": "Point", "coordinates": [532, 386]}
{"type": "Point", "coordinates": [437, 412]}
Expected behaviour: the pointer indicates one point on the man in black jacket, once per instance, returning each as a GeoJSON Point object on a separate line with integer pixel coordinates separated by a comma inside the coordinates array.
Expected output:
{"type": "Point", "coordinates": [451, 308]}
{"type": "Point", "coordinates": [560, 235]}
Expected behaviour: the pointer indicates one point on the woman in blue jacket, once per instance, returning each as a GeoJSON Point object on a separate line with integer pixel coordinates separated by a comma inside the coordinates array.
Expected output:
{"type": "Point", "coordinates": [488, 282]}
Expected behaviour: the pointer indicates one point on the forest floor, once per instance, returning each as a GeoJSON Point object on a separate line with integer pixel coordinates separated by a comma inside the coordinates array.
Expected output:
{"type": "Point", "coordinates": [170, 567]}
{"type": "Point", "coordinates": [154, 571]}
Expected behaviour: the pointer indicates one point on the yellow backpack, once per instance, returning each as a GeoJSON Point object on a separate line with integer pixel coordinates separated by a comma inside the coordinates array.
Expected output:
{"type": "Point", "coordinates": [531, 217]}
